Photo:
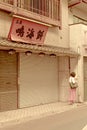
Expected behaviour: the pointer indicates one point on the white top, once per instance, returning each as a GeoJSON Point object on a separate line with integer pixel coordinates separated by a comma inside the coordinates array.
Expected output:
{"type": "Point", "coordinates": [72, 79]}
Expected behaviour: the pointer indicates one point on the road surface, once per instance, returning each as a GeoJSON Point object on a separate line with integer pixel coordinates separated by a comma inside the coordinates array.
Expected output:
{"type": "Point", "coordinates": [75, 119]}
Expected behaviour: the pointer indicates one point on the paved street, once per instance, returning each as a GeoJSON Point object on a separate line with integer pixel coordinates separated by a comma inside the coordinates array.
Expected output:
{"type": "Point", "coordinates": [73, 119]}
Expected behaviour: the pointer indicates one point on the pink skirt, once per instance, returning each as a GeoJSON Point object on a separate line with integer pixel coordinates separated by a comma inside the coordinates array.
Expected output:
{"type": "Point", "coordinates": [72, 97]}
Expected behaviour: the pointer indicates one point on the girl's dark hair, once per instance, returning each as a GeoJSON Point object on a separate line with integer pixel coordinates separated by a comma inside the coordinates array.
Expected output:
{"type": "Point", "coordinates": [73, 74]}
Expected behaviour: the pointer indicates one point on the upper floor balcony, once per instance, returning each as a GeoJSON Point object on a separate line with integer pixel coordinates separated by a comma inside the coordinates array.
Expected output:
{"type": "Point", "coordinates": [45, 11]}
{"type": "Point", "coordinates": [80, 4]}
{"type": "Point", "coordinates": [78, 41]}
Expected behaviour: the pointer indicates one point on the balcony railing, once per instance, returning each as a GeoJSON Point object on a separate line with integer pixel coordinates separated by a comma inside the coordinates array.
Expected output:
{"type": "Point", "coordinates": [8, 1]}
{"type": "Point", "coordinates": [47, 8]}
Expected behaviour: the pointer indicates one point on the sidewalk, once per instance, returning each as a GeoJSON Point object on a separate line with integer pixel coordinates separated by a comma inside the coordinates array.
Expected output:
{"type": "Point", "coordinates": [32, 113]}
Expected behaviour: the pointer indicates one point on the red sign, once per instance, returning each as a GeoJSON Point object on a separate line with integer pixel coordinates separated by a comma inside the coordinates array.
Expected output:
{"type": "Point", "coordinates": [27, 31]}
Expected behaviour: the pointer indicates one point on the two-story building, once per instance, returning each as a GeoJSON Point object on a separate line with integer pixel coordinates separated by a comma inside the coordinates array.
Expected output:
{"type": "Point", "coordinates": [35, 52]}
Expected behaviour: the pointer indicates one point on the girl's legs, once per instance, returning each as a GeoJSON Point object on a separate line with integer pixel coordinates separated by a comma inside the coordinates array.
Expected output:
{"type": "Point", "coordinates": [72, 97]}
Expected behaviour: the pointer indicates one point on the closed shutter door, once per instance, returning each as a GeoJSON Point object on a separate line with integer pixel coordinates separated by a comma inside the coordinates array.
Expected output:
{"type": "Point", "coordinates": [38, 80]}
{"type": "Point", "coordinates": [8, 81]}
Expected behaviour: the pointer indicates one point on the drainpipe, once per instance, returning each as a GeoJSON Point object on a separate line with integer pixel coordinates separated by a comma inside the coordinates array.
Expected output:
{"type": "Point", "coordinates": [69, 64]}
{"type": "Point", "coordinates": [75, 3]}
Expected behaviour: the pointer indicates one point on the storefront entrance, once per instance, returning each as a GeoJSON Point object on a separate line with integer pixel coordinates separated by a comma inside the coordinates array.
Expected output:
{"type": "Point", "coordinates": [38, 80]}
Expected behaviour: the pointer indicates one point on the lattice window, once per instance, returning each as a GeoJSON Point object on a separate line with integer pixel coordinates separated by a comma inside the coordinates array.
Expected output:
{"type": "Point", "coordinates": [49, 8]}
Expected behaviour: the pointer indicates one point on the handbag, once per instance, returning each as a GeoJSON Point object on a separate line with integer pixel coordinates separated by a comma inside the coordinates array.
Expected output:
{"type": "Point", "coordinates": [73, 85]}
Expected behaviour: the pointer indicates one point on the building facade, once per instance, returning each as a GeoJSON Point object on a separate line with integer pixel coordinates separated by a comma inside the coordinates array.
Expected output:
{"type": "Point", "coordinates": [34, 68]}
{"type": "Point", "coordinates": [78, 41]}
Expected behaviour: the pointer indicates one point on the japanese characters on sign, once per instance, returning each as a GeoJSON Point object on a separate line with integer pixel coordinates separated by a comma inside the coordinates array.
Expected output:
{"type": "Point", "coordinates": [27, 31]}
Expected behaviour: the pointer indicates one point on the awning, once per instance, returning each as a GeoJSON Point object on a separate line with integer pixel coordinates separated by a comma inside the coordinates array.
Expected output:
{"type": "Point", "coordinates": [47, 49]}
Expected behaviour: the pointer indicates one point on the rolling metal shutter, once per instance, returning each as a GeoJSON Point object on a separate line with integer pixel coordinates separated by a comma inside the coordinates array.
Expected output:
{"type": "Point", "coordinates": [38, 80]}
{"type": "Point", "coordinates": [8, 81]}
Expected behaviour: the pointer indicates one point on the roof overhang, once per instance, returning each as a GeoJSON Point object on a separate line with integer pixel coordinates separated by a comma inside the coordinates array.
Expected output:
{"type": "Point", "coordinates": [22, 47]}
{"type": "Point", "coordinates": [79, 4]}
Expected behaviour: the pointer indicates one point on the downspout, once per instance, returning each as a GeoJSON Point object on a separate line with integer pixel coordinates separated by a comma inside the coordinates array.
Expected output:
{"type": "Point", "coordinates": [69, 64]}
{"type": "Point", "coordinates": [60, 14]}
{"type": "Point", "coordinates": [75, 3]}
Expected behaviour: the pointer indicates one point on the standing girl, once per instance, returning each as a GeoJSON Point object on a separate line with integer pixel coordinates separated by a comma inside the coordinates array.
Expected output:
{"type": "Point", "coordinates": [72, 81]}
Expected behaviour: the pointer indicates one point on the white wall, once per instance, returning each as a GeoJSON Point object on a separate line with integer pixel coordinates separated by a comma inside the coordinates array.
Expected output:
{"type": "Point", "coordinates": [63, 78]}
{"type": "Point", "coordinates": [5, 23]}
{"type": "Point", "coordinates": [58, 37]}
{"type": "Point", "coordinates": [76, 36]}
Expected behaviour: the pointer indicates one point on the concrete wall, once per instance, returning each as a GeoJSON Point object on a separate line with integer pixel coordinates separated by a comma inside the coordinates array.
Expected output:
{"type": "Point", "coordinates": [58, 37]}
{"type": "Point", "coordinates": [63, 78]}
{"type": "Point", "coordinates": [5, 23]}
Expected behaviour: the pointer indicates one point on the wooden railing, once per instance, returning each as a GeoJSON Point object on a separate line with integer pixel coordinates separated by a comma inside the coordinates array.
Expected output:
{"type": "Point", "coordinates": [48, 8]}
{"type": "Point", "coordinates": [8, 1]}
